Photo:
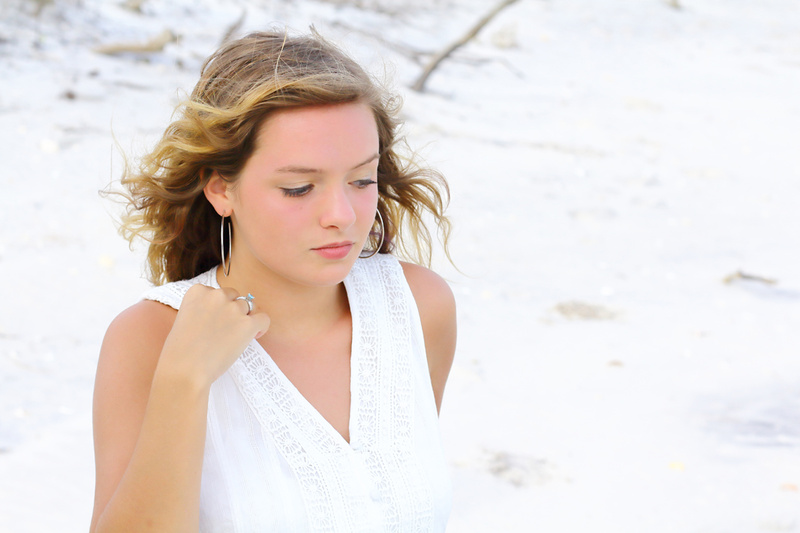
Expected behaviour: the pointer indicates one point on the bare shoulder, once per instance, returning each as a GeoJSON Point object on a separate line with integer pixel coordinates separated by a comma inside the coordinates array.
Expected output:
{"type": "Point", "coordinates": [128, 358]}
{"type": "Point", "coordinates": [430, 290]}
{"type": "Point", "coordinates": [437, 311]}
{"type": "Point", "coordinates": [139, 330]}
{"type": "Point", "coordinates": [129, 353]}
{"type": "Point", "coordinates": [144, 314]}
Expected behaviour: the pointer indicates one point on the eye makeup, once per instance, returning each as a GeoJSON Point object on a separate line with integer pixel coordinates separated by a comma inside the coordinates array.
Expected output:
{"type": "Point", "coordinates": [297, 191]}
{"type": "Point", "coordinates": [363, 184]}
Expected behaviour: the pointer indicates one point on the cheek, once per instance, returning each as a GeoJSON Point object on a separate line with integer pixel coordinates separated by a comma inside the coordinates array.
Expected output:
{"type": "Point", "coordinates": [281, 220]}
{"type": "Point", "coordinates": [367, 204]}
{"type": "Point", "coordinates": [261, 217]}
{"type": "Point", "coordinates": [263, 206]}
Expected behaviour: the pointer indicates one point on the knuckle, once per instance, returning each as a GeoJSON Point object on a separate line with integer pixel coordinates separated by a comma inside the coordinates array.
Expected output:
{"type": "Point", "coordinates": [194, 289]}
{"type": "Point", "coordinates": [229, 293]}
{"type": "Point", "coordinates": [195, 292]}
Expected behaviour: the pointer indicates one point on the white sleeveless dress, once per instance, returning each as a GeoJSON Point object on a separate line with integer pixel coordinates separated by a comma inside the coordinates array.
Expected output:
{"type": "Point", "coordinates": [273, 463]}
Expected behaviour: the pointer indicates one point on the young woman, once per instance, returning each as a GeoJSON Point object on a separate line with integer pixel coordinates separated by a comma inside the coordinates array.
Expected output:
{"type": "Point", "coordinates": [286, 371]}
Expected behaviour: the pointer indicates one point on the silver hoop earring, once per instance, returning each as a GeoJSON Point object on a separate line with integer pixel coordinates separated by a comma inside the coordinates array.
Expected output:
{"type": "Point", "coordinates": [380, 244]}
{"type": "Point", "coordinates": [226, 268]}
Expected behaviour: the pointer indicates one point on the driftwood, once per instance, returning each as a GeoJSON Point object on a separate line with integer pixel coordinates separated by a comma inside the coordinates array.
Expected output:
{"type": "Point", "coordinates": [156, 44]}
{"type": "Point", "coordinates": [739, 275]}
{"type": "Point", "coordinates": [583, 311]}
{"type": "Point", "coordinates": [133, 5]}
{"type": "Point", "coordinates": [419, 85]}
{"type": "Point", "coordinates": [40, 5]}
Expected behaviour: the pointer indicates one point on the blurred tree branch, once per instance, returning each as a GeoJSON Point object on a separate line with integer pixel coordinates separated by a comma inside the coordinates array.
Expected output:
{"type": "Point", "coordinates": [419, 85]}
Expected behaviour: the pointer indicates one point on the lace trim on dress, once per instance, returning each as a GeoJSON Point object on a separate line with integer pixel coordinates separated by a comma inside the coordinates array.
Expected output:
{"type": "Point", "coordinates": [411, 496]}
{"type": "Point", "coordinates": [171, 294]}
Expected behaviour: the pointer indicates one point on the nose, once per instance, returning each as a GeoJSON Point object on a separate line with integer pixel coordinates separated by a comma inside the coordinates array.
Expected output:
{"type": "Point", "coordinates": [337, 210]}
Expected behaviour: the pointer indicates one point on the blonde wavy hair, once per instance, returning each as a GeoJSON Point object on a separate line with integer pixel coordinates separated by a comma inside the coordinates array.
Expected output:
{"type": "Point", "coordinates": [215, 129]}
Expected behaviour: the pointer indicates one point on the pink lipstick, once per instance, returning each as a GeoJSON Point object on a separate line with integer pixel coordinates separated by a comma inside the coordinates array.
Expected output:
{"type": "Point", "coordinates": [336, 250]}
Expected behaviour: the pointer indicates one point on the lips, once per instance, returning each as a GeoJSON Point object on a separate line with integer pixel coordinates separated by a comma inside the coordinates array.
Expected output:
{"type": "Point", "coordinates": [334, 245]}
{"type": "Point", "coordinates": [335, 250]}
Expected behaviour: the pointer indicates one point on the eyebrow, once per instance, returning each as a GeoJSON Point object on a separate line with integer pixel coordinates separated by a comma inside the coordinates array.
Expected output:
{"type": "Point", "coordinates": [294, 169]}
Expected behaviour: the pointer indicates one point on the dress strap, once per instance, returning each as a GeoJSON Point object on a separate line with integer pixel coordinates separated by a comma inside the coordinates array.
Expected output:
{"type": "Point", "coordinates": [172, 293]}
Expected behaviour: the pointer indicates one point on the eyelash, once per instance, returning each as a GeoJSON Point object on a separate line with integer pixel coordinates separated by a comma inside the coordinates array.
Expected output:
{"type": "Point", "coordinates": [302, 191]}
{"type": "Point", "coordinates": [299, 191]}
{"type": "Point", "coordinates": [363, 184]}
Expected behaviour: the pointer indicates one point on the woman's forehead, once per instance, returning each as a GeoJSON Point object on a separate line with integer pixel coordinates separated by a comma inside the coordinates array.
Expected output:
{"type": "Point", "coordinates": [318, 138]}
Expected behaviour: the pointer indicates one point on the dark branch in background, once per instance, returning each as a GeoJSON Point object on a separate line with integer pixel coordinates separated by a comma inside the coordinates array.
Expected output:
{"type": "Point", "coordinates": [419, 85]}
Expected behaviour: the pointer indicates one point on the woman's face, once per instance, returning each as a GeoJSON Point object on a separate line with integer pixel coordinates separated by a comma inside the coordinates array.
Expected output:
{"type": "Point", "coordinates": [305, 201]}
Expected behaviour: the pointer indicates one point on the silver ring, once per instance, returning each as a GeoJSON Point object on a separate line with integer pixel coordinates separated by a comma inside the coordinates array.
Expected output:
{"type": "Point", "coordinates": [249, 301]}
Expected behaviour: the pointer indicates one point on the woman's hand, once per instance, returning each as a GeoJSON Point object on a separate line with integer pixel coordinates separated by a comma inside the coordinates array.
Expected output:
{"type": "Point", "coordinates": [211, 330]}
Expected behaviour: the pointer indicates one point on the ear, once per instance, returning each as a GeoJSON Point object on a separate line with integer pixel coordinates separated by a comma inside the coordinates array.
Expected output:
{"type": "Point", "coordinates": [218, 193]}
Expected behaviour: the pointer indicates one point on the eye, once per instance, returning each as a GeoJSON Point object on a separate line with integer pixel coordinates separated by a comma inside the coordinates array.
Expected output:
{"type": "Point", "coordinates": [363, 184]}
{"type": "Point", "coordinates": [297, 191]}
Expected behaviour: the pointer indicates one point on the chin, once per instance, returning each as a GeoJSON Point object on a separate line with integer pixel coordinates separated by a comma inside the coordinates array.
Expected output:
{"type": "Point", "coordinates": [332, 273]}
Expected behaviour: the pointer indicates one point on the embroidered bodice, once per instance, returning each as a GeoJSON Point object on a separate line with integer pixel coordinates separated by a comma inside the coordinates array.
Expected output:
{"type": "Point", "coordinates": [273, 463]}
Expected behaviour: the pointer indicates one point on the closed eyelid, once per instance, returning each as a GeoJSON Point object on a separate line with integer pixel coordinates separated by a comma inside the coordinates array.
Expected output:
{"type": "Point", "coordinates": [362, 173]}
{"type": "Point", "coordinates": [296, 191]}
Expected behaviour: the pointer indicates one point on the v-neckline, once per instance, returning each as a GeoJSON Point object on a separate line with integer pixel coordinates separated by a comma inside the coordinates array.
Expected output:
{"type": "Point", "coordinates": [302, 401]}
{"type": "Point", "coordinates": [298, 397]}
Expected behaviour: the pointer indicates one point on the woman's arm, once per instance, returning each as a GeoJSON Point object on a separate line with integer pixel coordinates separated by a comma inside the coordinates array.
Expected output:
{"type": "Point", "coordinates": [437, 311]}
{"type": "Point", "coordinates": [151, 397]}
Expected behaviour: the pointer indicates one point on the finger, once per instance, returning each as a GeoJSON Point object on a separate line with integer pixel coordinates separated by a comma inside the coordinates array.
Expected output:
{"type": "Point", "coordinates": [261, 322]}
{"type": "Point", "coordinates": [230, 293]}
{"type": "Point", "coordinates": [195, 291]}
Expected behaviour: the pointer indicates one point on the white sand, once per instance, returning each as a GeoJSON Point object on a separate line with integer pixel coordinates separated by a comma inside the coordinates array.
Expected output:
{"type": "Point", "coordinates": [610, 162]}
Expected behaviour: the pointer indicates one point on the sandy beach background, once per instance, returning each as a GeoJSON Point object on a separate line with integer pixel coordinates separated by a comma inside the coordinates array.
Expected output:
{"type": "Point", "coordinates": [624, 183]}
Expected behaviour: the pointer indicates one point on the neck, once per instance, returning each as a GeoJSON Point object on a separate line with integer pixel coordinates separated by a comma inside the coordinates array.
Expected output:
{"type": "Point", "coordinates": [295, 310]}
